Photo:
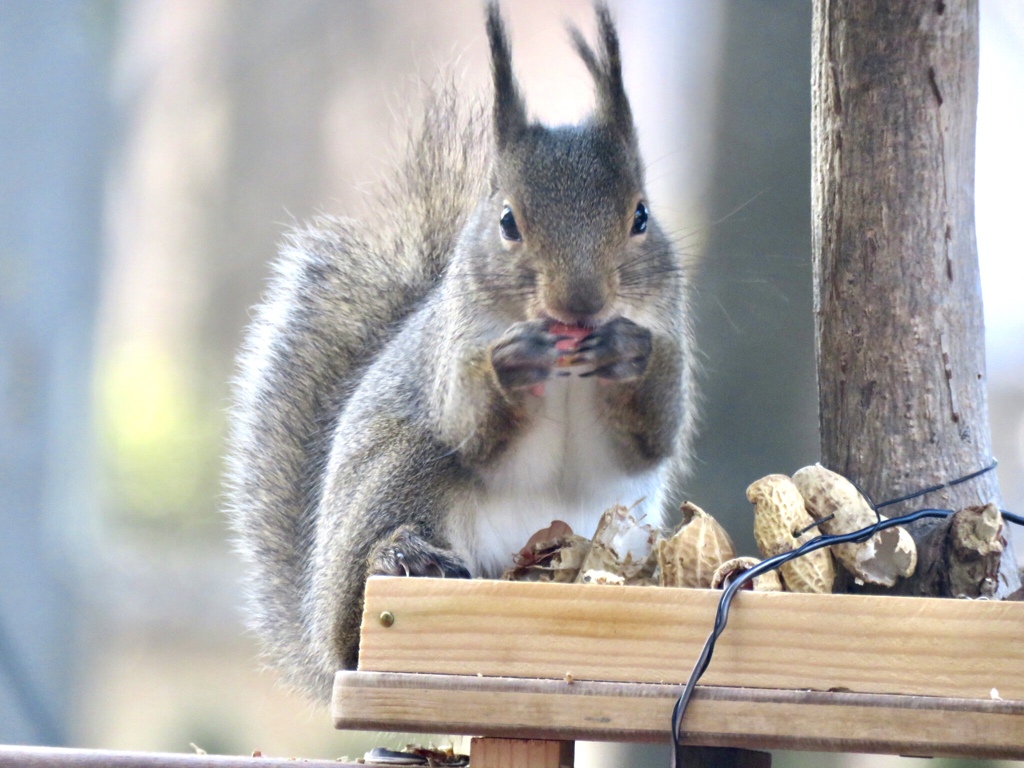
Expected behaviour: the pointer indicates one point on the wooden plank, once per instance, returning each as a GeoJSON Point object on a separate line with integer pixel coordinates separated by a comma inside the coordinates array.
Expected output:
{"type": "Point", "coordinates": [861, 643]}
{"type": "Point", "coordinates": [54, 757]}
{"type": "Point", "coordinates": [521, 753]}
{"type": "Point", "coordinates": [717, 716]}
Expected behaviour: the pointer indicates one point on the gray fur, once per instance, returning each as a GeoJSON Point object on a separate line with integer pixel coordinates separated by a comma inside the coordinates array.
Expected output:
{"type": "Point", "coordinates": [369, 417]}
{"type": "Point", "coordinates": [339, 292]}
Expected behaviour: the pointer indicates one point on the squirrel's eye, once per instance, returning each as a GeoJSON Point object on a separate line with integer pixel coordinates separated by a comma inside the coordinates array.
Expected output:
{"type": "Point", "coordinates": [509, 228]}
{"type": "Point", "coordinates": [639, 220]}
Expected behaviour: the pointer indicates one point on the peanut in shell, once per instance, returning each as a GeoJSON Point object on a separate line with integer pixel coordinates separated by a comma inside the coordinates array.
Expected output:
{"type": "Point", "coordinates": [690, 557]}
{"type": "Point", "coordinates": [779, 516]}
{"type": "Point", "coordinates": [884, 558]}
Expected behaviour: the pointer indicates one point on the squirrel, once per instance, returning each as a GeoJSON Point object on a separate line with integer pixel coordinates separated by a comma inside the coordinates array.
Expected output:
{"type": "Point", "coordinates": [506, 343]}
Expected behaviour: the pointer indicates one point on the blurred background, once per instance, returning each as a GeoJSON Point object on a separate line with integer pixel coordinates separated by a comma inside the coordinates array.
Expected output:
{"type": "Point", "coordinates": [152, 153]}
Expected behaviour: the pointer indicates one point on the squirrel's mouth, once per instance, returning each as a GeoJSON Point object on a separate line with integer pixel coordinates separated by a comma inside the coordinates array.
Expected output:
{"type": "Point", "coordinates": [564, 329]}
{"type": "Point", "coordinates": [573, 335]}
{"type": "Point", "coordinates": [576, 332]}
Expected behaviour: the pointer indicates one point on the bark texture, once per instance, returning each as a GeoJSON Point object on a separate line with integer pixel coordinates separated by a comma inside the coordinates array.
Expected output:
{"type": "Point", "coordinates": [900, 336]}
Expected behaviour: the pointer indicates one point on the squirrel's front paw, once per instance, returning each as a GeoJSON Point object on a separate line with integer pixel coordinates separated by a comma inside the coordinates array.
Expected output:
{"type": "Point", "coordinates": [524, 356]}
{"type": "Point", "coordinates": [618, 350]}
{"type": "Point", "coordinates": [405, 553]}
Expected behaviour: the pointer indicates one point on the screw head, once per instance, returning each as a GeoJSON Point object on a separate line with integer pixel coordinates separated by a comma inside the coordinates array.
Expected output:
{"type": "Point", "coordinates": [387, 618]}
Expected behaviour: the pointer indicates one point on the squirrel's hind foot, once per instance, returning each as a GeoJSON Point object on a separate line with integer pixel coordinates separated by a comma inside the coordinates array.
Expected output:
{"type": "Point", "coordinates": [407, 553]}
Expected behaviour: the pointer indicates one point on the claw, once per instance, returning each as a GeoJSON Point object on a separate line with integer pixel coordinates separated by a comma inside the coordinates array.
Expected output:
{"type": "Point", "coordinates": [400, 560]}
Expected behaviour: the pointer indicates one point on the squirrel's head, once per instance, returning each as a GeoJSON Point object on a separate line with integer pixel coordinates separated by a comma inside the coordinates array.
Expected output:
{"type": "Point", "coordinates": [568, 224]}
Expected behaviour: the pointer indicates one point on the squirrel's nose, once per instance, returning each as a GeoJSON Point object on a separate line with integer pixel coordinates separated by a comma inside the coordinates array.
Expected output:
{"type": "Point", "coordinates": [579, 304]}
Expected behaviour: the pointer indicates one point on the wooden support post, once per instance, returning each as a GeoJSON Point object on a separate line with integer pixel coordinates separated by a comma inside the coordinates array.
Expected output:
{"type": "Point", "coordinates": [900, 338]}
{"type": "Point", "coordinates": [521, 753]}
{"type": "Point", "coordinates": [719, 757]}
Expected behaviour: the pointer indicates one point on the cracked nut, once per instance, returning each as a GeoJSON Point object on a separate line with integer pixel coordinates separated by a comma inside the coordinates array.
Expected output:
{"type": "Point", "coordinates": [829, 497]}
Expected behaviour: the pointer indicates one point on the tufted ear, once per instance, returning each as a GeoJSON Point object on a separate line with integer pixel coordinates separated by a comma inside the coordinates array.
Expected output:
{"type": "Point", "coordinates": [606, 68]}
{"type": "Point", "coordinates": [509, 111]}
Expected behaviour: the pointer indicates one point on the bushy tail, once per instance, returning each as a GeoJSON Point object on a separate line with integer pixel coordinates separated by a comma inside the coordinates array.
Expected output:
{"type": "Point", "coordinates": [340, 289]}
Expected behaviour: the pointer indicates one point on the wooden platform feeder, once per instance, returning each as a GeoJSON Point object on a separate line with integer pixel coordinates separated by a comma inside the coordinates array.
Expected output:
{"type": "Point", "coordinates": [902, 404]}
{"type": "Point", "coordinates": [561, 662]}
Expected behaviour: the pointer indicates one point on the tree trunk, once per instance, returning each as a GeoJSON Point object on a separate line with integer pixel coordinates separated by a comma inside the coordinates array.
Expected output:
{"type": "Point", "coordinates": [900, 336]}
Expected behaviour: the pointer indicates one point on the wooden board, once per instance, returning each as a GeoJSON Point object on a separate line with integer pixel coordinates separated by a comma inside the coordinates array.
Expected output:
{"type": "Point", "coordinates": [734, 717]}
{"type": "Point", "coordinates": [59, 757]}
{"type": "Point", "coordinates": [516, 753]}
{"type": "Point", "coordinates": [866, 644]}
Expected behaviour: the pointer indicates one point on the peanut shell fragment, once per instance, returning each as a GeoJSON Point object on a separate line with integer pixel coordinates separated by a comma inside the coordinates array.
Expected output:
{"type": "Point", "coordinates": [554, 554]}
{"type": "Point", "coordinates": [730, 569]}
{"type": "Point", "coordinates": [594, 576]}
{"type": "Point", "coordinates": [976, 543]}
{"type": "Point", "coordinates": [829, 497]}
{"type": "Point", "coordinates": [779, 516]}
{"type": "Point", "coordinates": [622, 545]}
{"type": "Point", "coordinates": [694, 552]}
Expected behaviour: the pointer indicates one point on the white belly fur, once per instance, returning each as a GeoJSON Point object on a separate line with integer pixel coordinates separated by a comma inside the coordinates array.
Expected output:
{"type": "Point", "coordinates": [562, 468]}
